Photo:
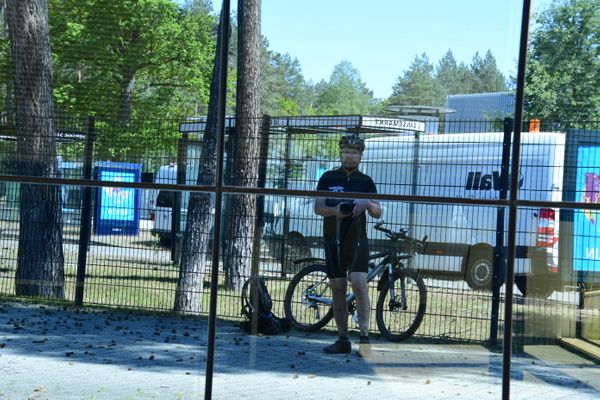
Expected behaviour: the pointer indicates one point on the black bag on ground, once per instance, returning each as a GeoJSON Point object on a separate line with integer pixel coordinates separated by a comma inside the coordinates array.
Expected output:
{"type": "Point", "coordinates": [257, 308]}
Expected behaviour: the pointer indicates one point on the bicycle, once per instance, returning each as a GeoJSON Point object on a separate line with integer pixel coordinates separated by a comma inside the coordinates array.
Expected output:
{"type": "Point", "coordinates": [308, 299]}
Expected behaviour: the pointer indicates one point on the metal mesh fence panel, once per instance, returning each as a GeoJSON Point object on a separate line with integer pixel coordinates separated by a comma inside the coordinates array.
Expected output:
{"type": "Point", "coordinates": [142, 270]}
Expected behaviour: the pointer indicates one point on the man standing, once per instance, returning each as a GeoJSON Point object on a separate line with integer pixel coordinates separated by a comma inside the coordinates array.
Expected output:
{"type": "Point", "coordinates": [345, 237]}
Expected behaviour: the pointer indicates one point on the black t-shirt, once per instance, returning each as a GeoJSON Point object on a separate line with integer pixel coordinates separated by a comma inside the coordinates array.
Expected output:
{"type": "Point", "coordinates": [338, 181]}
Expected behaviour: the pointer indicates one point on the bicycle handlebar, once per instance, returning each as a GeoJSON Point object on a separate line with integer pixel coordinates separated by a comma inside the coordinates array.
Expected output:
{"type": "Point", "coordinates": [418, 246]}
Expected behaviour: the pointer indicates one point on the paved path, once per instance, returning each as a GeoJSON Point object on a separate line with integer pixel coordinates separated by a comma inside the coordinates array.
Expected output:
{"type": "Point", "coordinates": [57, 353]}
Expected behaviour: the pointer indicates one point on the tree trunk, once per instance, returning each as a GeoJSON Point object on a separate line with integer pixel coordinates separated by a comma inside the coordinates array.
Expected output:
{"type": "Point", "coordinates": [9, 105]}
{"type": "Point", "coordinates": [40, 265]}
{"type": "Point", "coordinates": [246, 138]}
{"type": "Point", "coordinates": [128, 84]}
{"type": "Point", "coordinates": [9, 101]}
{"type": "Point", "coordinates": [195, 240]}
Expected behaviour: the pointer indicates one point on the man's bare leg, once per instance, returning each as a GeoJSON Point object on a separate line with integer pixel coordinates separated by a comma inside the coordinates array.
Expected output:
{"type": "Point", "coordinates": [363, 302]}
{"type": "Point", "coordinates": [340, 307]}
{"type": "Point", "coordinates": [340, 313]}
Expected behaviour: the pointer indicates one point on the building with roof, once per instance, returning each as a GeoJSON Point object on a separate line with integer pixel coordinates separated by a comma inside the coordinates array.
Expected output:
{"type": "Point", "coordinates": [478, 112]}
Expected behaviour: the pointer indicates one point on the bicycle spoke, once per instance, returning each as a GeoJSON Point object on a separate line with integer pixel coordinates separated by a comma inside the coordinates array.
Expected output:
{"type": "Point", "coordinates": [303, 305]}
{"type": "Point", "coordinates": [400, 307]}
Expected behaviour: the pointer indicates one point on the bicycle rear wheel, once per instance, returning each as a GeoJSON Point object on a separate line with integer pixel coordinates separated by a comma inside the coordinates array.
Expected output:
{"type": "Point", "coordinates": [304, 313]}
{"type": "Point", "coordinates": [398, 318]}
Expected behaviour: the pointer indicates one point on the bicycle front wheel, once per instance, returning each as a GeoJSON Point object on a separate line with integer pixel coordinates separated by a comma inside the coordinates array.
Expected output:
{"type": "Point", "coordinates": [307, 302]}
{"type": "Point", "coordinates": [401, 306]}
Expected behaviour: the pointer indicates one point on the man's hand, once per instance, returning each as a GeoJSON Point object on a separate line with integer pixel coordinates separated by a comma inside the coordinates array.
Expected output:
{"type": "Point", "coordinates": [339, 214]}
{"type": "Point", "coordinates": [360, 206]}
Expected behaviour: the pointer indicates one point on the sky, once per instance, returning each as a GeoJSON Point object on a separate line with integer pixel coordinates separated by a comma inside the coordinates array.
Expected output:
{"type": "Point", "coordinates": [381, 38]}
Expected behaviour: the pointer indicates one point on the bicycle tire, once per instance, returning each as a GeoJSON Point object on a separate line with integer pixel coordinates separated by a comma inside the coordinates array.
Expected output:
{"type": "Point", "coordinates": [304, 315]}
{"type": "Point", "coordinates": [393, 321]}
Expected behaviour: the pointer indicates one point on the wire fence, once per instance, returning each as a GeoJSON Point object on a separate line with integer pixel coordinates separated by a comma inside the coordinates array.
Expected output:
{"type": "Point", "coordinates": [449, 187]}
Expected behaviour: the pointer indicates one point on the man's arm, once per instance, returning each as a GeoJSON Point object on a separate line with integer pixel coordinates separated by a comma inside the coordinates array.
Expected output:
{"type": "Point", "coordinates": [373, 208]}
{"type": "Point", "coordinates": [326, 211]}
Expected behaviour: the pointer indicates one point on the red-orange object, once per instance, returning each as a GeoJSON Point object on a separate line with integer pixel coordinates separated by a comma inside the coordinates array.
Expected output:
{"type": "Point", "coordinates": [534, 125]}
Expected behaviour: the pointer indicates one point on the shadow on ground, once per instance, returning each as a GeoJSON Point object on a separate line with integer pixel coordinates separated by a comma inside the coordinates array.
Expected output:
{"type": "Point", "coordinates": [173, 344]}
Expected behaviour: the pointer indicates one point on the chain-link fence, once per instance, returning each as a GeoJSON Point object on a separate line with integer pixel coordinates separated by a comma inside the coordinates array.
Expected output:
{"type": "Point", "coordinates": [448, 187]}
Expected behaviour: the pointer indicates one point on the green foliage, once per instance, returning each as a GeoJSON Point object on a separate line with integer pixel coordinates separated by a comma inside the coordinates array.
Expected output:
{"type": "Point", "coordinates": [485, 75]}
{"type": "Point", "coordinates": [8, 161]}
{"type": "Point", "coordinates": [6, 69]}
{"type": "Point", "coordinates": [131, 63]}
{"type": "Point", "coordinates": [104, 50]}
{"type": "Point", "coordinates": [422, 84]}
{"type": "Point", "coordinates": [453, 77]}
{"type": "Point", "coordinates": [325, 147]}
{"type": "Point", "coordinates": [132, 60]}
{"type": "Point", "coordinates": [563, 70]}
{"type": "Point", "coordinates": [285, 91]}
{"type": "Point", "coordinates": [156, 57]}
{"type": "Point", "coordinates": [151, 142]}
{"type": "Point", "coordinates": [344, 93]}
{"type": "Point", "coordinates": [418, 85]}
{"type": "Point", "coordinates": [283, 88]}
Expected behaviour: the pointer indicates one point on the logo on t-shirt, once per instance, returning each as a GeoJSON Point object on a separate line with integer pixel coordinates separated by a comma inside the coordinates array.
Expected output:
{"type": "Point", "coordinates": [336, 188]}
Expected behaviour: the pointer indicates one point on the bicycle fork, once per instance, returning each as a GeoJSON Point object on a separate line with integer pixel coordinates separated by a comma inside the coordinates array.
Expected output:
{"type": "Point", "coordinates": [394, 303]}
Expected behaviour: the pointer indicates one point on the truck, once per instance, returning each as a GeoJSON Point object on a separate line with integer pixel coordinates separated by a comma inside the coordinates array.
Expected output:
{"type": "Point", "coordinates": [461, 237]}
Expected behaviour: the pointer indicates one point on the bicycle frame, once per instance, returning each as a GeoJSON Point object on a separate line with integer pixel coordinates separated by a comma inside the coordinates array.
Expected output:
{"type": "Point", "coordinates": [391, 259]}
{"type": "Point", "coordinates": [308, 299]}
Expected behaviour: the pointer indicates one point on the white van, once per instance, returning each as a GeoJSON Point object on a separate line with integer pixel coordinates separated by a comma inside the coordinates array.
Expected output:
{"type": "Point", "coordinates": [163, 206]}
{"type": "Point", "coordinates": [165, 199]}
{"type": "Point", "coordinates": [461, 237]}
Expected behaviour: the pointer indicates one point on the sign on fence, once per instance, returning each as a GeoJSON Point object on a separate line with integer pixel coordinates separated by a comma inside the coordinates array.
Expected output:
{"type": "Point", "coordinates": [118, 208]}
{"type": "Point", "coordinates": [580, 228]}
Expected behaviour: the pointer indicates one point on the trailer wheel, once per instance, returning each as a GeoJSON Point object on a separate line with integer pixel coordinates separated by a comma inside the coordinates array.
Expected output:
{"type": "Point", "coordinates": [539, 287]}
{"type": "Point", "coordinates": [479, 269]}
{"type": "Point", "coordinates": [521, 282]}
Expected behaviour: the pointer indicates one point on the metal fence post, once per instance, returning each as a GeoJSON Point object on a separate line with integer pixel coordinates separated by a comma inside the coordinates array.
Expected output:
{"type": "Point", "coordinates": [512, 210]}
{"type": "Point", "coordinates": [176, 210]}
{"type": "Point", "coordinates": [214, 272]}
{"type": "Point", "coordinates": [86, 212]}
{"type": "Point", "coordinates": [414, 186]}
{"type": "Point", "coordinates": [286, 216]}
{"type": "Point", "coordinates": [499, 251]}
{"type": "Point", "coordinates": [260, 200]}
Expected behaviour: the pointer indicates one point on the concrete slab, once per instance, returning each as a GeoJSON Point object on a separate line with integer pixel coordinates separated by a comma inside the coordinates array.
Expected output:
{"type": "Point", "coordinates": [589, 349]}
{"type": "Point", "coordinates": [63, 353]}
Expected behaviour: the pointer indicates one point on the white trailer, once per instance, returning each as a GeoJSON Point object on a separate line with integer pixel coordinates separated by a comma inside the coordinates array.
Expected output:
{"type": "Point", "coordinates": [163, 203]}
{"type": "Point", "coordinates": [165, 199]}
{"type": "Point", "coordinates": [461, 237]}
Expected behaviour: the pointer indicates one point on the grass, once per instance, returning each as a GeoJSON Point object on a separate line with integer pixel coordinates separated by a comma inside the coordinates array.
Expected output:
{"type": "Point", "coordinates": [137, 275]}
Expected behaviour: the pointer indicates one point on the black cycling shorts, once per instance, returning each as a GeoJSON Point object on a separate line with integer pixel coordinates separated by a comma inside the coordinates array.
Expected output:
{"type": "Point", "coordinates": [354, 257]}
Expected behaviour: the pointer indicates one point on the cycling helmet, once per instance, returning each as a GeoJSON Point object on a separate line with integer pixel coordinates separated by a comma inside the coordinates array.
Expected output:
{"type": "Point", "coordinates": [353, 141]}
